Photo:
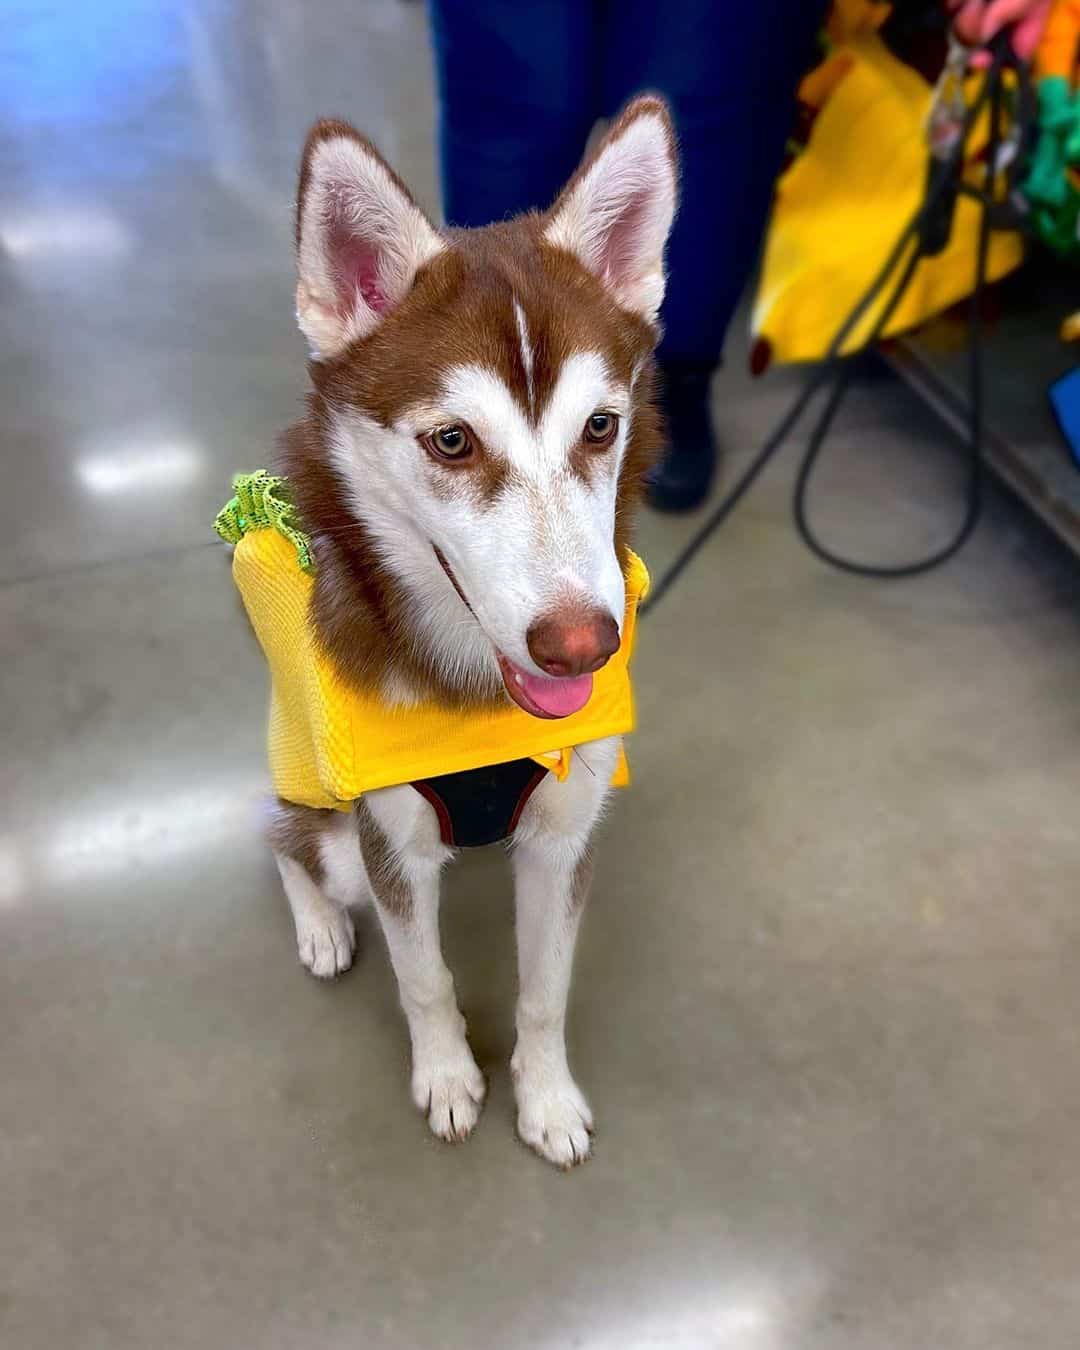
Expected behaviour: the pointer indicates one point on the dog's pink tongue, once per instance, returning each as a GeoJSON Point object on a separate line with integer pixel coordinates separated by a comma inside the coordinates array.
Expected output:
{"type": "Point", "coordinates": [558, 698]}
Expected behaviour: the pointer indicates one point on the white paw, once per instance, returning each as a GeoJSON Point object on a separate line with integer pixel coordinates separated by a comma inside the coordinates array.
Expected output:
{"type": "Point", "coordinates": [553, 1115]}
{"type": "Point", "coordinates": [326, 940]}
{"type": "Point", "coordinates": [450, 1091]}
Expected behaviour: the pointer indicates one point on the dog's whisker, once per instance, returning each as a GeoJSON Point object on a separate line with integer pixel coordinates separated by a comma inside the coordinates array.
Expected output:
{"type": "Point", "coordinates": [584, 761]}
{"type": "Point", "coordinates": [341, 529]}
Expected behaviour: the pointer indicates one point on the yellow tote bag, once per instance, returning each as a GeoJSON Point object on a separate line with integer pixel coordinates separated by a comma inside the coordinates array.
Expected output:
{"type": "Point", "coordinates": [842, 204]}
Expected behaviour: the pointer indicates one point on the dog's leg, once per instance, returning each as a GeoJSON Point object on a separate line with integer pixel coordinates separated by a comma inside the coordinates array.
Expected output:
{"type": "Point", "coordinates": [321, 869]}
{"type": "Point", "coordinates": [552, 873]}
{"type": "Point", "coordinates": [399, 839]}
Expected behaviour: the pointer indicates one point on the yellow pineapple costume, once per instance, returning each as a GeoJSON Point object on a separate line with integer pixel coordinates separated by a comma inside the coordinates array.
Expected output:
{"type": "Point", "coordinates": [329, 741]}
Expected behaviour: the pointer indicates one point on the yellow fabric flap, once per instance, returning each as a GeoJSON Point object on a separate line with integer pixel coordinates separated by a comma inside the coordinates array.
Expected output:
{"type": "Point", "coordinates": [330, 743]}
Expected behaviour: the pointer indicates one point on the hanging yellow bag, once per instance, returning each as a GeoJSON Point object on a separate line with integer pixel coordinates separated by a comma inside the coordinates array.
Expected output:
{"type": "Point", "coordinates": [843, 203]}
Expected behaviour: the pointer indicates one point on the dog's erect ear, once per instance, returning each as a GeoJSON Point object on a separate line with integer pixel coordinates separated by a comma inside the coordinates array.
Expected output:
{"type": "Point", "coordinates": [616, 212]}
{"type": "Point", "coordinates": [360, 239]}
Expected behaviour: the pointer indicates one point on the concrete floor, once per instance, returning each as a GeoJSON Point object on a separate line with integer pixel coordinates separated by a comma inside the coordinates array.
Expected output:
{"type": "Point", "coordinates": [828, 995]}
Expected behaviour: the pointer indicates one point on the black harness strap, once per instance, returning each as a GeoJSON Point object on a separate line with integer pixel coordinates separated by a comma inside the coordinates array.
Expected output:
{"type": "Point", "coordinates": [481, 806]}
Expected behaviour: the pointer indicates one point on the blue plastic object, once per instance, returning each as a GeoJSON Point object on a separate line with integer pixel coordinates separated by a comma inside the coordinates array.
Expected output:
{"type": "Point", "coordinates": [1065, 401]}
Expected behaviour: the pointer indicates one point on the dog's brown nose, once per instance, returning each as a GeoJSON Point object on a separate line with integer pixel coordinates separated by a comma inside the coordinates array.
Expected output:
{"type": "Point", "coordinates": [573, 641]}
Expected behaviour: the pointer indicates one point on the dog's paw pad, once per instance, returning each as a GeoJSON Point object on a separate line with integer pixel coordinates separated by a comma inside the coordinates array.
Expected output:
{"type": "Point", "coordinates": [554, 1119]}
{"type": "Point", "coordinates": [450, 1095]}
{"type": "Point", "coordinates": [326, 942]}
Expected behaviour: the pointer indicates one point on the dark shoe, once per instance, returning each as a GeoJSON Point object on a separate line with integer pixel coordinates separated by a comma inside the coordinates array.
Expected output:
{"type": "Point", "coordinates": [681, 481]}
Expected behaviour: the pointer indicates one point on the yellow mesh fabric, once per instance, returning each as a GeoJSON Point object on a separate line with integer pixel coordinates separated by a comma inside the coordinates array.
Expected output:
{"type": "Point", "coordinates": [329, 743]}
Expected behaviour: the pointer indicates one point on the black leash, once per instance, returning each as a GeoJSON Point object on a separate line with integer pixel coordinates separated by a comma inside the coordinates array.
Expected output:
{"type": "Point", "coordinates": [925, 234]}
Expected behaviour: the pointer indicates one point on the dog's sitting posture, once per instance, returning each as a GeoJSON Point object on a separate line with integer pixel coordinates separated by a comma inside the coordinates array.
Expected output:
{"type": "Point", "coordinates": [480, 424]}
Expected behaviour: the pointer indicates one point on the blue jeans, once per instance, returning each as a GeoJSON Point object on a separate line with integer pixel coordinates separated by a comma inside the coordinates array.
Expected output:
{"type": "Point", "coordinates": [522, 82]}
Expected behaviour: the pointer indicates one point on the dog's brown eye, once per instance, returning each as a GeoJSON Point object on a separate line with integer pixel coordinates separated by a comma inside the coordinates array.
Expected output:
{"type": "Point", "coordinates": [449, 442]}
{"type": "Point", "coordinates": [601, 427]}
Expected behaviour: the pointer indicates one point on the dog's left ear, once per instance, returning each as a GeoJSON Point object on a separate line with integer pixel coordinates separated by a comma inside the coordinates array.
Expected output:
{"type": "Point", "coordinates": [616, 212]}
{"type": "Point", "coordinates": [360, 239]}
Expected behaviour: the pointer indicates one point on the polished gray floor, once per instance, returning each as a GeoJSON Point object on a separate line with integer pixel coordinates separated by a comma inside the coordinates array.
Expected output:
{"type": "Point", "coordinates": [828, 998]}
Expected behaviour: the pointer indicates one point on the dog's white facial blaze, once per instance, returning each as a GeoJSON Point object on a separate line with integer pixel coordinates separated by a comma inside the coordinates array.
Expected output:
{"type": "Point", "coordinates": [616, 218]}
{"type": "Point", "coordinates": [389, 490]}
{"type": "Point", "coordinates": [545, 538]}
{"type": "Point", "coordinates": [526, 354]}
{"type": "Point", "coordinates": [361, 242]}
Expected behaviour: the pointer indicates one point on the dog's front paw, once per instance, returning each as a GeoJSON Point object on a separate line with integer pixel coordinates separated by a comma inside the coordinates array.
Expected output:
{"type": "Point", "coordinates": [325, 939]}
{"type": "Point", "coordinates": [450, 1091]}
{"type": "Point", "coordinates": [553, 1116]}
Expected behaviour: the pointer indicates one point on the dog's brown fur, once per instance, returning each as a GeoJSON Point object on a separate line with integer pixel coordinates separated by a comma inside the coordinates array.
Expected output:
{"type": "Point", "coordinates": [460, 309]}
{"type": "Point", "coordinates": [384, 872]}
{"type": "Point", "coordinates": [295, 831]}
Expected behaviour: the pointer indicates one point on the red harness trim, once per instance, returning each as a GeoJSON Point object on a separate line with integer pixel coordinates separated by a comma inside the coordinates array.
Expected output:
{"type": "Point", "coordinates": [446, 825]}
{"type": "Point", "coordinates": [523, 801]}
{"type": "Point", "coordinates": [480, 806]}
